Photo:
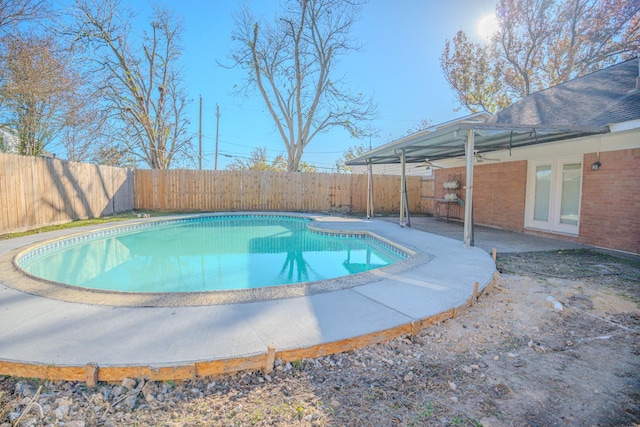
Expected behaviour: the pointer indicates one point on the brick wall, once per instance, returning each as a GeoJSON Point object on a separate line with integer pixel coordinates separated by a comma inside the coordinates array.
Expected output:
{"type": "Point", "coordinates": [499, 193]}
{"type": "Point", "coordinates": [610, 210]}
{"type": "Point", "coordinates": [610, 206]}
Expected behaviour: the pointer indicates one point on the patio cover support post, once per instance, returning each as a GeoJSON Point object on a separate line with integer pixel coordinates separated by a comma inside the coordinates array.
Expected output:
{"type": "Point", "coordinates": [370, 191]}
{"type": "Point", "coordinates": [403, 190]}
{"type": "Point", "coordinates": [468, 202]}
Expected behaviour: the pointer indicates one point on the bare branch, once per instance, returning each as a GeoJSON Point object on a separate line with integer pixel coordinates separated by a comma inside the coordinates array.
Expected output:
{"type": "Point", "coordinates": [142, 86]}
{"type": "Point", "coordinates": [291, 62]}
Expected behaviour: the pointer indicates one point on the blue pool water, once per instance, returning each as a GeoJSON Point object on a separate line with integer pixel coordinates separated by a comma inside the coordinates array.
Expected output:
{"type": "Point", "coordinates": [207, 254]}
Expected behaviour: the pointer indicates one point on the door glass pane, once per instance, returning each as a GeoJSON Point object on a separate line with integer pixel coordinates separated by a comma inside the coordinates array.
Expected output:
{"type": "Point", "coordinates": [543, 189]}
{"type": "Point", "coordinates": [570, 203]}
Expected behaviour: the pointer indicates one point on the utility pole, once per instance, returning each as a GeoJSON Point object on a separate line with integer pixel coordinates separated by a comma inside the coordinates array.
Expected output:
{"type": "Point", "coordinates": [215, 167]}
{"type": "Point", "coordinates": [200, 138]}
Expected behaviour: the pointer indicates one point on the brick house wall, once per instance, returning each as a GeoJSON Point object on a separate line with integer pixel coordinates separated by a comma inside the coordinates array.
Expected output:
{"type": "Point", "coordinates": [610, 207]}
{"type": "Point", "coordinates": [499, 193]}
{"type": "Point", "coordinates": [610, 202]}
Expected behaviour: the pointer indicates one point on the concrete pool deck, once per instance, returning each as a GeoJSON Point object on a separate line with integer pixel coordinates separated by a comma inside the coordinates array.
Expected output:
{"type": "Point", "coordinates": [44, 337]}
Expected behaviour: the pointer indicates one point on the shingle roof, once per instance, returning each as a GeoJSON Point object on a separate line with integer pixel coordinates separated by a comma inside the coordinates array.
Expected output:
{"type": "Point", "coordinates": [601, 98]}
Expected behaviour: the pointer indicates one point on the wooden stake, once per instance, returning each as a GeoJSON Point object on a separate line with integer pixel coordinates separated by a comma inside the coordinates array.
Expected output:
{"type": "Point", "coordinates": [91, 375]}
{"type": "Point", "coordinates": [416, 326]}
{"type": "Point", "coordinates": [271, 358]}
{"type": "Point", "coordinates": [474, 298]}
{"type": "Point", "coordinates": [494, 255]}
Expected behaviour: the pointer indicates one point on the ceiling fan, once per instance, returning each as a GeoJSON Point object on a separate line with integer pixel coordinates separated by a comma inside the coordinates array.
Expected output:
{"type": "Point", "coordinates": [478, 157]}
{"type": "Point", "coordinates": [428, 165]}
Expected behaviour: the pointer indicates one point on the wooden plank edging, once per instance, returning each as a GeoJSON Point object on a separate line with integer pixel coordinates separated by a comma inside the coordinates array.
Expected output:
{"type": "Point", "coordinates": [91, 373]}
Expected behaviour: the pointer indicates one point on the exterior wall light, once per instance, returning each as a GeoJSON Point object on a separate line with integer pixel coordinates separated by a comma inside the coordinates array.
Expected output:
{"type": "Point", "coordinates": [596, 165]}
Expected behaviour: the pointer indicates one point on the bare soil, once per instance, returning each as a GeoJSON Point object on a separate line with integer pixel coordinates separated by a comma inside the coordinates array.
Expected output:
{"type": "Point", "coordinates": [513, 359]}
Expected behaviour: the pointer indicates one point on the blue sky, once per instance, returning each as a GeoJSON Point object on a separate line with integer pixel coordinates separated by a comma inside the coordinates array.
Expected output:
{"type": "Point", "coordinates": [398, 65]}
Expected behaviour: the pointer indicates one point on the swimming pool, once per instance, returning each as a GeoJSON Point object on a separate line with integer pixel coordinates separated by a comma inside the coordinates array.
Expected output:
{"type": "Point", "coordinates": [207, 253]}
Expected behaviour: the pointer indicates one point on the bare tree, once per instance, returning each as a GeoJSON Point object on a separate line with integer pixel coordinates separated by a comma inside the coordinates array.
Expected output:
{"type": "Point", "coordinates": [259, 161]}
{"type": "Point", "coordinates": [366, 133]}
{"type": "Point", "coordinates": [292, 63]}
{"type": "Point", "coordinates": [349, 154]}
{"type": "Point", "coordinates": [86, 137]}
{"type": "Point", "coordinates": [14, 12]}
{"type": "Point", "coordinates": [541, 43]}
{"type": "Point", "coordinates": [141, 84]}
{"type": "Point", "coordinates": [112, 155]}
{"type": "Point", "coordinates": [39, 91]}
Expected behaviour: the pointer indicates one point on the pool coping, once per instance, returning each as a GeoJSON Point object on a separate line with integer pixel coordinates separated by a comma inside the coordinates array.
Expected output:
{"type": "Point", "coordinates": [15, 277]}
{"type": "Point", "coordinates": [60, 340]}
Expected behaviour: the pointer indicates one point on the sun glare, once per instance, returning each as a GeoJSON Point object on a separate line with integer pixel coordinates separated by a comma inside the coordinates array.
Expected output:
{"type": "Point", "coordinates": [487, 26]}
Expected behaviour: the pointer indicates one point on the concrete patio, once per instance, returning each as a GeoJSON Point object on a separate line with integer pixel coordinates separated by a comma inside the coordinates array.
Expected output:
{"type": "Point", "coordinates": [42, 336]}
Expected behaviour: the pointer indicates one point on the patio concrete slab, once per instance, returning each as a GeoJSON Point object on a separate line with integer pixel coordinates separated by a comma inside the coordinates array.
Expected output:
{"type": "Point", "coordinates": [40, 331]}
{"type": "Point", "coordinates": [488, 238]}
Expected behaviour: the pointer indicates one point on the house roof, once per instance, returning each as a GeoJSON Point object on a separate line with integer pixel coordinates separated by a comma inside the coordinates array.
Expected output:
{"type": "Point", "coordinates": [602, 98]}
{"type": "Point", "coordinates": [580, 107]}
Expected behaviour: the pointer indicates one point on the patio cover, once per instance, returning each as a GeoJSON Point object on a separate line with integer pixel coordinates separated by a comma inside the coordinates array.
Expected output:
{"type": "Point", "coordinates": [464, 138]}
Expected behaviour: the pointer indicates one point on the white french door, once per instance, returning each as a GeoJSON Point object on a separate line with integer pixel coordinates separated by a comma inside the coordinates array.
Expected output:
{"type": "Point", "coordinates": [553, 195]}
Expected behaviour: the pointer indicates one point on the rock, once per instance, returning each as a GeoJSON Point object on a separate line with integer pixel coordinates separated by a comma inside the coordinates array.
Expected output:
{"type": "Point", "coordinates": [452, 386]}
{"type": "Point", "coordinates": [61, 412]}
{"type": "Point", "coordinates": [467, 369]}
{"type": "Point", "coordinates": [512, 355]}
{"type": "Point", "coordinates": [130, 401]}
{"type": "Point", "coordinates": [28, 422]}
{"type": "Point", "coordinates": [454, 399]}
{"type": "Point", "coordinates": [496, 357]}
{"type": "Point", "coordinates": [64, 404]}
{"type": "Point", "coordinates": [238, 408]}
{"type": "Point", "coordinates": [409, 377]}
{"type": "Point", "coordinates": [105, 392]}
{"type": "Point", "coordinates": [116, 391]}
{"type": "Point", "coordinates": [387, 361]}
{"type": "Point", "coordinates": [25, 389]}
{"type": "Point", "coordinates": [74, 424]}
{"type": "Point", "coordinates": [148, 391]}
{"type": "Point", "coordinates": [557, 305]}
{"type": "Point", "coordinates": [129, 383]}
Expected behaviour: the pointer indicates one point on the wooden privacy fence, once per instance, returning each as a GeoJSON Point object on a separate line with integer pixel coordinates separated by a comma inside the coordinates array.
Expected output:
{"type": "Point", "coordinates": [187, 190]}
{"type": "Point", "coordinates": [35, 192]}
